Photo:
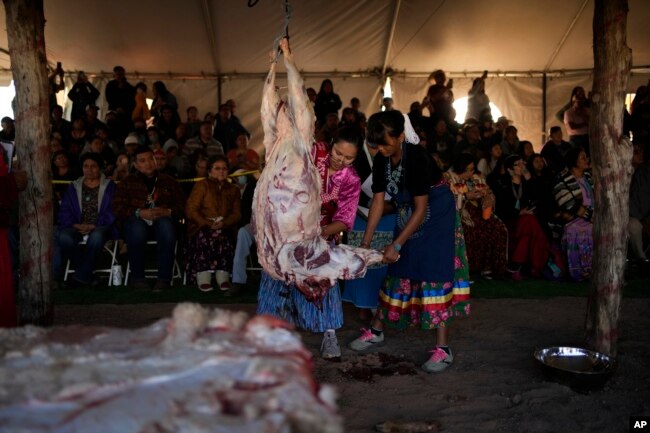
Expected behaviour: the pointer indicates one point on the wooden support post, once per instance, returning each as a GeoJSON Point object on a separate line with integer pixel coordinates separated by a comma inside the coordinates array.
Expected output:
{"type": "Point", "coordinates": [25, 33]}
{"type": "Point", "coordinates": [612, 168]}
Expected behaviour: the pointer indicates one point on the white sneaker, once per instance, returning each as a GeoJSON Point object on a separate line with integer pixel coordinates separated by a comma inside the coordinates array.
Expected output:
{"type": "Point", "coordinates": [329, 348]}
{"type": "Point", "coordinates": [439, 360]}
{"type": "Point", "coordinates": [367, 340]}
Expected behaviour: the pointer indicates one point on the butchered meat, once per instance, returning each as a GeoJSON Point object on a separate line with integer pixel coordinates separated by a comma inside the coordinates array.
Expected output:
{"type": "Point", "coordinates": [286, 206]}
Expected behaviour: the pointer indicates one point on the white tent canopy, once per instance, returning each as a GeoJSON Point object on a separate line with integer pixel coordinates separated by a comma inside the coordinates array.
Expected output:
{"type": "Point", "coordinates": [207, 50]}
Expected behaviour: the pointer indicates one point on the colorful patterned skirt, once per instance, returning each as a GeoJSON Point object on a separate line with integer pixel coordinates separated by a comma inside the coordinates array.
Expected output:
{"type": "Point", "coordinates": [208, 250]}
{"type": "Point", "coordinates": [578, 244]}
{"type": "Point", "coordinates": [428, 304]}
{"type": "Point", "coordinates": [288, 303]}
{"type": "Point", "coordinates": [364, 292]}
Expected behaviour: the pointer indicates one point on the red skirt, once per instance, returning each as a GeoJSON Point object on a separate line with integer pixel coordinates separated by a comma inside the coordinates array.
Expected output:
{"type": "Point", "coordinates": [528, 243]}
{"type": "Point", "coordinates": [8, 317]}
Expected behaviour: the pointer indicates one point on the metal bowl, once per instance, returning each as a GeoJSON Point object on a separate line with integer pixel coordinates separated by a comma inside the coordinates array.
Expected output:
{"type": "Point", "coordinates": [581, 369]}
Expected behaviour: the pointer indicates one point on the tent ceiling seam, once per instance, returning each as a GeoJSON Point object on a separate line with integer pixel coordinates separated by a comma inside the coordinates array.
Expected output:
{"type": "Point", "coordinates": [418, 30]}
{"type": "Point", "coordinates": [391, 35]}
{"type": "Point", "coordinates": [566, 36]}
{"type": "Point", "coordinates": [209, 28]}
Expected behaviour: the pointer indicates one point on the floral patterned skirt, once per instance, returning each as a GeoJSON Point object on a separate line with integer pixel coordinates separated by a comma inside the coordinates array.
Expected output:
{"type": "Point", "coordinates": [578, 244]}
{"type": "Point", "coordinates": [487, 242]}
{"type": "Point", "coordinates": [428, 304]}
{"type": "Point", "coordinates": [208, 250]}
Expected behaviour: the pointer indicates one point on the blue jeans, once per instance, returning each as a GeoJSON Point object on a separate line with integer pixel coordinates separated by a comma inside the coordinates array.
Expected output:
{"type": "Point", "coordinates": [68, 239]}
{"type": "Point", "coordinates": [242, 251]}
{"type": "Point", "coordinates": [137, 233]}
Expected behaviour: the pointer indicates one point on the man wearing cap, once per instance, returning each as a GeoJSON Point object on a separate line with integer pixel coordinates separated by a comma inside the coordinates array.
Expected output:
{"type": "Point", "coordinates": [147, 205]}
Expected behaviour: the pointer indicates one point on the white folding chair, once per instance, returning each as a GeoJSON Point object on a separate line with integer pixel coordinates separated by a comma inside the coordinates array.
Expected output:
{"type": "Point", "coordinates": [111, 248]}
{"type": "Point", "coordinates": [151, 272]}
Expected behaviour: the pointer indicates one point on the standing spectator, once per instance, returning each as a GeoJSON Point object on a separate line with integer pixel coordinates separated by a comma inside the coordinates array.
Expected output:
{"type": "Point", "coordinates": [574, 195]}
{"type": "Point", "coordinates": [120, 94]}
{"type": "Point", "coordinates": [147, 204]}
{"type": "Point", "coordinates": [576, 120]}
{"type": "Point", "coordinates": [163, 98]}
{"type": "Point", "coordinates": [213, 211]}
{"type": "Point", "coordinates": [232, 106]}
{"type": "Point", "coordinates": [440, 97]}
{"type": "Point", "coordinates": [327, 102]}
{"type": "Point", "coordinates": [525, 150]}
{"type": "Point", "coordinates": [85, 213]}
{"type": "Point", "coordinates": [82, 94]}
{"type": "Point", "coordinates": [141, 110]}
{"type": "Point", "coordinates": [56, 84]}
{"type": "Point", "coordinates": [478, 103]}
{"type": "Point", "coordinates": [555, 150]}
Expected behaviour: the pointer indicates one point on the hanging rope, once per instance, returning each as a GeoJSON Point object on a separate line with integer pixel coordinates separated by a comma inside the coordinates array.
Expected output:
{"type": "Point", "coordinates": [287, 9]}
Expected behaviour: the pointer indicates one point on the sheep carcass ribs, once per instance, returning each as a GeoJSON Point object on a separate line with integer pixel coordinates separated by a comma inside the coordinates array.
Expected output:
{"type": "Point", "coordinates": [286, 205]}
{"type": "Point", "coordinates": [200, 372]}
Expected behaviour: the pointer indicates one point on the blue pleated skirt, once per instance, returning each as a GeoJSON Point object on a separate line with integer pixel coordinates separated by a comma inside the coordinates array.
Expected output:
{"type": "Point", "coordinates": [286, 302]}
{"type": "Point", "coordinates": [364, 292]}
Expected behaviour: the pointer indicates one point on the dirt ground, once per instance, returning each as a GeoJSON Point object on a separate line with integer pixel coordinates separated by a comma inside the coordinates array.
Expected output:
{"type": "Point", "coordinates": [494, 385]}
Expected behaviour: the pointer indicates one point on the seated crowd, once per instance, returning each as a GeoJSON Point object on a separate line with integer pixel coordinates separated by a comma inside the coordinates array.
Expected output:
{"type": "Point", "coordinates": [523, 213]}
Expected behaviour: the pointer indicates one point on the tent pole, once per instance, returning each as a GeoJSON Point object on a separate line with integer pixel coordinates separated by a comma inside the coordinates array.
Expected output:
{"type": "Point", "coordinates": [219, 97]}
{"type": "Point", "coordinates": [544, 102]}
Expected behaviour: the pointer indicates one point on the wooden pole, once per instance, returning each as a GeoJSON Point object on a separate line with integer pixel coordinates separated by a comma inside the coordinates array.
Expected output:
{"type": "Point", "coordinates": [25, 34]}
{"type": "Point", "coordinates": [612, 168]}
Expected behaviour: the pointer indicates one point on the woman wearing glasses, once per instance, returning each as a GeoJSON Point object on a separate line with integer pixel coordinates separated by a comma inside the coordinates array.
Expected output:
{"type": "Point", "coordinates": [421, 287]}
{"type": "Point", "coordinates": [213, 211]}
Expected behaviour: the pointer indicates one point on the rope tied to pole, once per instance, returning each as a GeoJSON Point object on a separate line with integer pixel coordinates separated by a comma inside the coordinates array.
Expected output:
{"type": "Point", "coordinates": [287, 10]}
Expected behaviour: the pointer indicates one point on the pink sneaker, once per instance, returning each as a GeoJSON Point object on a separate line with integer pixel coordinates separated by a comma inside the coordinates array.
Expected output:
{"type": "Point", "coordinates": [439, 360]}
{"type": "Point", "coordinates": [366, 340]}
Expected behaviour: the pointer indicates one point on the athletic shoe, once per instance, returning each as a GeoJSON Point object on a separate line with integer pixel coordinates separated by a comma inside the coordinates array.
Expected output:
{"type": "Point", "coordinates": [367, 340]}
{"type": "Point", "coordinates": [329, 348]}
{"type": "Point", "coordinates": [439, 360]}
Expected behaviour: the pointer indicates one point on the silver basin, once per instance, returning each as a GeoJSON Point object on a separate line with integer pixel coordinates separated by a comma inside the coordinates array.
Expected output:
{"type": "Point", "coordinates": [579, 368]}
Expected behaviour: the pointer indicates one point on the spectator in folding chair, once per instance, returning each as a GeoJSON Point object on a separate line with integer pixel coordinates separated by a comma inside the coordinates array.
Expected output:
{"type": "Point", "coordinates": [85, 214]}
{"type": "Point", "coordinates": [147, 205]}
